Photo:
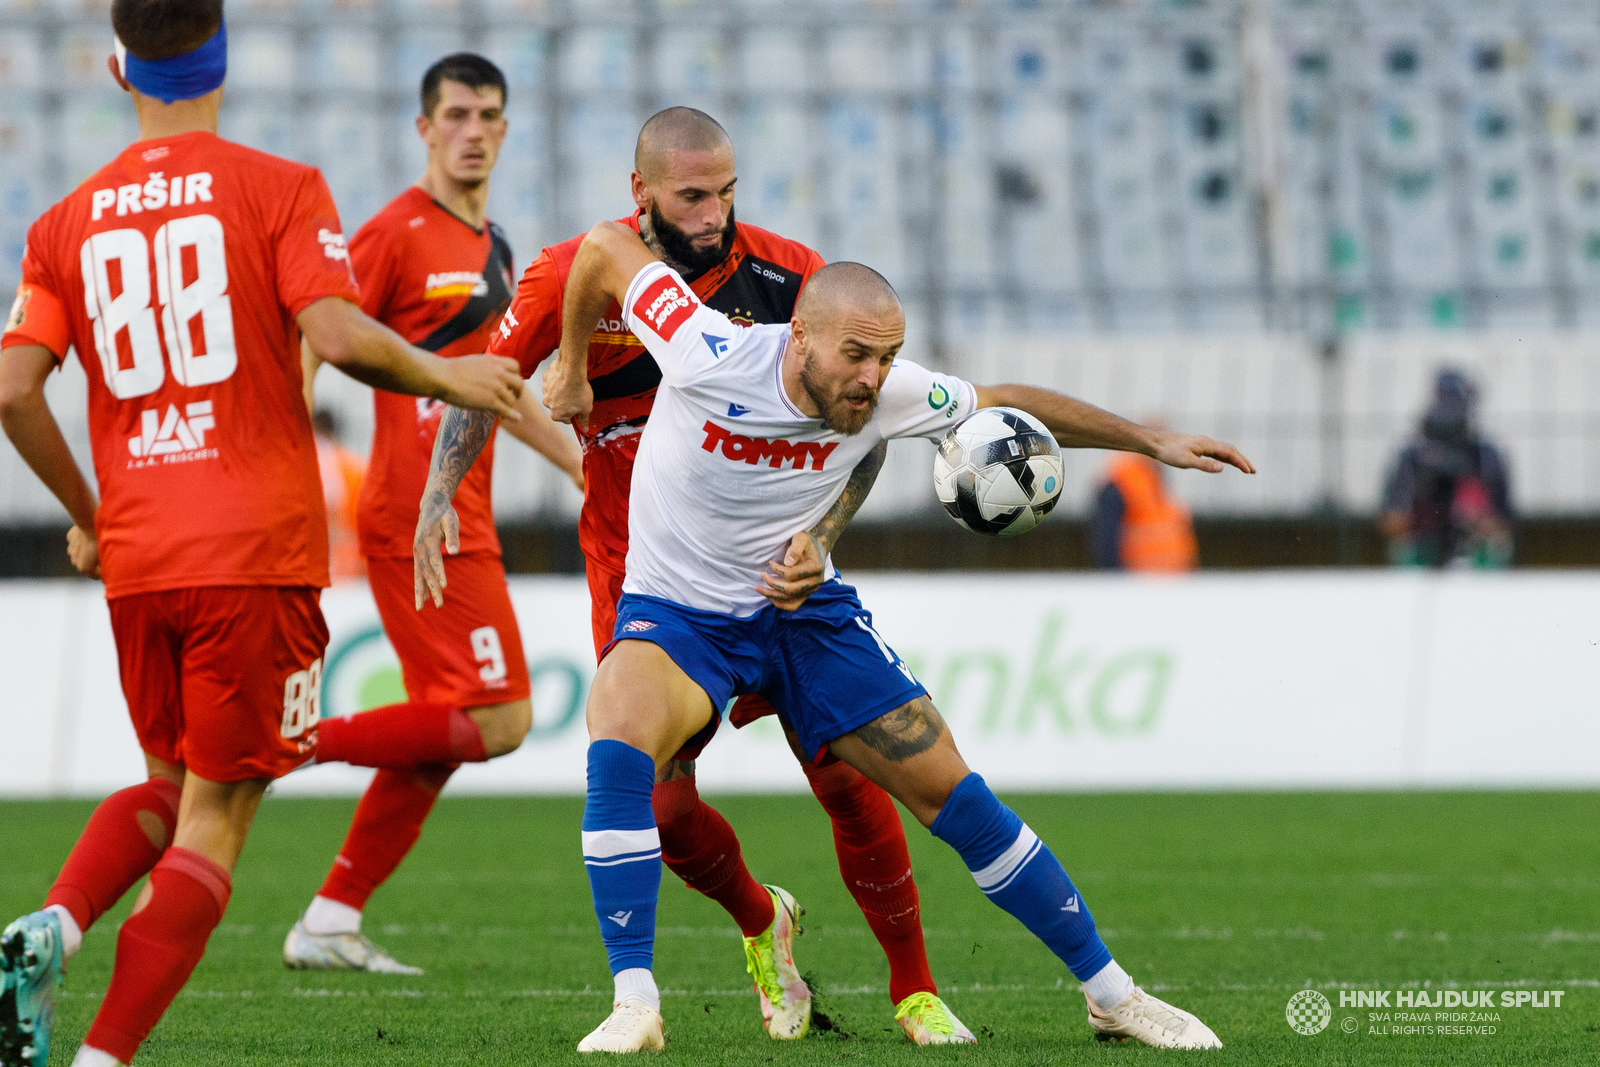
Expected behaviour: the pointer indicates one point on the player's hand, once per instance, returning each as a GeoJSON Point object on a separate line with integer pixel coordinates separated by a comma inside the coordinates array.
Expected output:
{"type": "Point", "coordinates": [84, 551]}
{"type": "Point", "coordinates": [569, 397]}
{"type": "Point", "coordinates": [437, 525]}
{"type": "Point", "coordinates": [484, 383]}
{"type": "Point", "coordinates": [789, 583]}
{"type": "Point", "coordinates": [1199, 453]}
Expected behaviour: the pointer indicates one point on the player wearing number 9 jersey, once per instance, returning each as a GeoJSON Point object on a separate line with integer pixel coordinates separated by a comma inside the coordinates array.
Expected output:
{"type": "Point", "coordinates": [184, 273]}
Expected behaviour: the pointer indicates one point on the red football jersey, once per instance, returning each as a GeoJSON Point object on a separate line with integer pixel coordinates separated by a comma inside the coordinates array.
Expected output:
{"type": "Point", "coordinates": [441, 285]}
{"type": "Point", "coordinates": [176, 272]}
{"type": "Point", "coordinates": [759, 281]}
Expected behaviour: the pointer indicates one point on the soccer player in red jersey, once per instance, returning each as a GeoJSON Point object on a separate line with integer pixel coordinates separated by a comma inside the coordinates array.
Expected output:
{"type": "Point", "coordinates": [683, 186]}
{"type": "Point", "coordinates": [184, 272]}
{"type": "Point", "coordinates": [433, 268]}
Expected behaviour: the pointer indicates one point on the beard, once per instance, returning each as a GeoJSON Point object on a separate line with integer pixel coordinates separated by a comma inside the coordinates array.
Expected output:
{"type": "Point", "coordinates": [836, 414]}
{"type": "Point", "coordinates": [679, 250]}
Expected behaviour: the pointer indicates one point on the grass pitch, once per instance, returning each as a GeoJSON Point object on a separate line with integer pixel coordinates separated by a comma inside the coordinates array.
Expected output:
{"type": "Point", "coordinates": [1225, 904]}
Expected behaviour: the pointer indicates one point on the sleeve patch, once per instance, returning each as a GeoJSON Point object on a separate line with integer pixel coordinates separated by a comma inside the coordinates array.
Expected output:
{"type": "Point", "coordinates": [665, 305]}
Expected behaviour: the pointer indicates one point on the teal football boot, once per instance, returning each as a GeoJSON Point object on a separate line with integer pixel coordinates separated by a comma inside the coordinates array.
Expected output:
{"type": "Point", "coordinates": [30, 972]}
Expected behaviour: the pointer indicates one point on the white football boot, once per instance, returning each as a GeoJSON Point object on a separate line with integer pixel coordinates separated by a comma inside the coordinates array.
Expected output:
{"type": "Point", "coordinates": [631, 1027]}
{"type": "Point", "coordinates": [306, 951]}
{"type": "Point", "coordinates": [927, 1020]}
{"type": "Point", "coordinates": [769, 960]}
{"type": "Point", "coordinates": [1152, 1021]}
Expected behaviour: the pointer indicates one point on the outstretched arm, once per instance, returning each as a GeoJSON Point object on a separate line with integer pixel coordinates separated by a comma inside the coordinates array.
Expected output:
{"type": "Point", "coordinates": [789, 583]}
{"type": "Point", "coordinates": [340, 333]}
{"type": "Point", "coordinates": [33, 429]}
{"type": "Point", "coordinates": [462, 435]}
{"type": "Point", "coordinates": [608, 259]}
{"type": "Point", "coordinates": [1079, 425]}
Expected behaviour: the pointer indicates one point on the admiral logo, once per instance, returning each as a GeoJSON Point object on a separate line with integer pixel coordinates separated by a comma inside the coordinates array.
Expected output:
{"type": "Point", "coordinates": [450, 283]}
{"type": "Point", "coordinates": [157, 192]}
{"type": "Point", "coordinates": [753, 450]}
{"type": "Point", "coordinates": [665, 306]}
{"type": "Point", "coordinates": [333, 245]}
{"type": "Point", "coordinates": [737, 410]}
{"type": "Point", "coordinates": [182, 436]}
{"type": "Point", "coordinates": [718, 345]}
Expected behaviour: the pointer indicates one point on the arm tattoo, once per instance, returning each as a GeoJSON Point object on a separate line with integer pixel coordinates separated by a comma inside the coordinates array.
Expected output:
{"type": "Point", "coordinates": [827, 530]}
{"type": "Point", "coordinates": [462, 435]}
{"type": "Point", "coordinates": [675, 769]}
{"type": "Point", "coordinates": [909, 730]}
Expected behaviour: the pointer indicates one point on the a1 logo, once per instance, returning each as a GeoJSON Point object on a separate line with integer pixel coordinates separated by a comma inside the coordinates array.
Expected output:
{"type": "Point", "coordinates": [302, 700]}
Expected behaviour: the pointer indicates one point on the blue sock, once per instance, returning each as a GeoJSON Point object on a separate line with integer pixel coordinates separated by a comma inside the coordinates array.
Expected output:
{"type": "Point", "coordinates": [622, 852]}
{"type": "Point", "coordinates": [1014, 868]}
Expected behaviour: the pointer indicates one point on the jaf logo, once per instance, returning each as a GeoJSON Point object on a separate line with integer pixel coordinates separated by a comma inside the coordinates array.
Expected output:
{"type": "Point", "coordinates": [175, 433]}
{"type": "Point", "coordinates": [1308, 1012]}
{"type": "Point", "coordinates": [665, 306]}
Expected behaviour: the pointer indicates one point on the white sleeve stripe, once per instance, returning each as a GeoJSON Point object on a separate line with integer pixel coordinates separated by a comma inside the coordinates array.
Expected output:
{"type": "Point", "coordinates": [607, 844]}
{"type": "Point", "coordinates": [998, 874]}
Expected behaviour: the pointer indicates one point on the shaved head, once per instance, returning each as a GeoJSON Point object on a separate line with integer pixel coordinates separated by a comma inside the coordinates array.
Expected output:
{"type": "Point", "coordinates": [847, 327]}
{"type": "Point", "coordinates": [677, 129]}
{"type": "Point", "coordinates": [840, 286]}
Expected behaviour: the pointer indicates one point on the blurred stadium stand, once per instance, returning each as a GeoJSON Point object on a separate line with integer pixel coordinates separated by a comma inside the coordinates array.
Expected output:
{"type": "Point", "coordinates": [1269, 220]}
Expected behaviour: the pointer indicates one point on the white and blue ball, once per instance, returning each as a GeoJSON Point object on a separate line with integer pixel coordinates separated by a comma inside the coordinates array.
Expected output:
{"type": "Point", "coordinates": [998, 472]}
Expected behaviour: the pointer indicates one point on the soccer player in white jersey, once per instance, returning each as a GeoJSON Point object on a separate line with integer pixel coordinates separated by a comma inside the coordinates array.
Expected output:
{"type": "Point", "coordinates": [714, 506]}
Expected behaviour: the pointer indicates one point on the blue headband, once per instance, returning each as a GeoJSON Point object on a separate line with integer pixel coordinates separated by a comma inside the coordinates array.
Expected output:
{"type": "Point", "coordinates": [181, 77]}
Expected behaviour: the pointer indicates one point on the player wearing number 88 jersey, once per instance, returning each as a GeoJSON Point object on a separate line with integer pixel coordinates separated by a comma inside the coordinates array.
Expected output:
{"type": "Point", "coordinates": [184, 273]}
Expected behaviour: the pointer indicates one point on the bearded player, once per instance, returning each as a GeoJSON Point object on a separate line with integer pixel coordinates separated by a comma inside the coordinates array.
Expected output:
{"type": "Point", "coordinates": [683, 186]}
{"type": "Point", "coordinates": [184, 272]}
{"type": "Point", "coordinates": [710, 512]}
{"type": "Point", "coordinates": [432, 267]}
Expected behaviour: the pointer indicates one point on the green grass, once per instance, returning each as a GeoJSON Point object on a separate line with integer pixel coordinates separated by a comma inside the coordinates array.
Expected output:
{"type": "Point", "coordinates": [1226, 904]}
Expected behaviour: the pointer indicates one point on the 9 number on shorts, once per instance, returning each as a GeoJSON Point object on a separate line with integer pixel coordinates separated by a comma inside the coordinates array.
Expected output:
{"type": "Point", "coordinates": [204, 298]}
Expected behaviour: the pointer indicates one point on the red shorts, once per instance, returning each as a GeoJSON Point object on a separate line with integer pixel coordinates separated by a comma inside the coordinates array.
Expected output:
{"type": "Point", "coordinates": [226, 680]}
{"type": "Point", "coordinates": [467, 653]}
{"type": "Point", "coordinates": [605, 589]}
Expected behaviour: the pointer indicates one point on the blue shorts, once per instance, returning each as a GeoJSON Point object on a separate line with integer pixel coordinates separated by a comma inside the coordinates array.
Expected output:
{"type": "Point", "coordinates": [823, 667]}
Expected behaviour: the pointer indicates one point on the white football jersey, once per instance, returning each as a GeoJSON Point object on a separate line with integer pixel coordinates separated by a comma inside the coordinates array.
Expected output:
{"type": "Point", "coordinates": [729, 470]}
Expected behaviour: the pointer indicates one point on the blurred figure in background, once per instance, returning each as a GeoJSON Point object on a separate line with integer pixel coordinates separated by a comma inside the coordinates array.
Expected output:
{"type": "Point", "coordinates": [1136, 526]}
{"type": "Point", "coordinates": [1448, 499]}
{"type": "Point", "coordinates": [342, 474]}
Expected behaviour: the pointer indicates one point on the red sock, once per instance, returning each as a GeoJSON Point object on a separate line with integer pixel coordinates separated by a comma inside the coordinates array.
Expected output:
{"type": "Point", "coordinates": [699, 846]}
{"type": "Point", "coordinates": [876, 866]}
{"type": "Point", "coordinates": [158, 947]}
{"type": "Point", "coordinates": [388, 822]}
{"type": "Point", "coordinates": [124, 838]}
{"type": "Point", "coordinates": [402, 736]}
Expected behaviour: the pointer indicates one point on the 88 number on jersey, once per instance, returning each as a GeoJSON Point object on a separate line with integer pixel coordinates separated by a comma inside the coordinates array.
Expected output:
{"type": "Point", "coordinates": [201, 306]}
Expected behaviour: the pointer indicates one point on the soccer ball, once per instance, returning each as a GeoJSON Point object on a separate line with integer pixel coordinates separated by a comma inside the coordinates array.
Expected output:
{"type": "Point", "coordinates": [998, 472]}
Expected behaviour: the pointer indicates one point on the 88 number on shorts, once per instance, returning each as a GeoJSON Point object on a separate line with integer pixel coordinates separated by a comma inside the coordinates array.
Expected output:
{"type": "Point", "coordinates": [302, 700]}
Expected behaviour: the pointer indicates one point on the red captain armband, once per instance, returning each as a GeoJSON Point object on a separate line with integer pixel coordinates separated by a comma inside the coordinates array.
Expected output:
{"type": "Point", "coordinates": [37, 318]}
{"type": "Point", "coordinates": [665, 305]}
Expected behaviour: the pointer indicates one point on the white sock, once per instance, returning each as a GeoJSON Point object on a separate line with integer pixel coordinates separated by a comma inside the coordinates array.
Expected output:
{"type": "Point", "coordinates": [326, 916]}
{"type": "Point", "coordinates": [1109, 987]}
{"type": "Point", "coordinates": [93, 1057]}
{"type": "Point", "coordinates": [637, 983]}
{"type": "Point", "coordinates": [71, 936]}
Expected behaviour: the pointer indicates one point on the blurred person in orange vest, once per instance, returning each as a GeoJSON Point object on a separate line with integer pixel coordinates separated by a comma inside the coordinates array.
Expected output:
{"type": "Point", "coordinates": [342, 474]}
{"type": "Point", "coordinates": [1136, 526]}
